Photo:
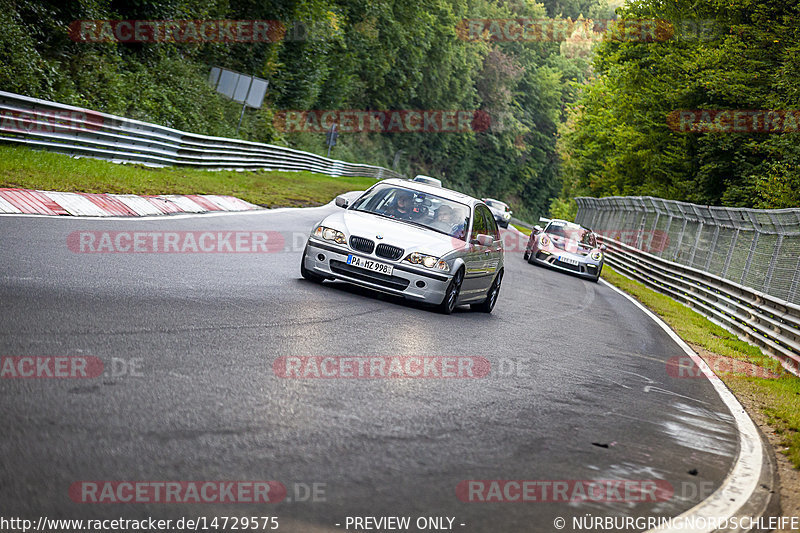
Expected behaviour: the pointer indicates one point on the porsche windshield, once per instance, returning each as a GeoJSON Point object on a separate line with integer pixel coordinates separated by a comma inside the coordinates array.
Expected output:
{"type": "Point", "coordinates": [572, 232]}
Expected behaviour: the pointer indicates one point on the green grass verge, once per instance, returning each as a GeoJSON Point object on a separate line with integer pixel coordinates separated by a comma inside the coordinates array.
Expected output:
{"type": "Point", "coordinates": [523, 229]}
{"type": "Point", "coordinates": [30, 169]}
{"type": "Point", "coordinates": [778, 399]}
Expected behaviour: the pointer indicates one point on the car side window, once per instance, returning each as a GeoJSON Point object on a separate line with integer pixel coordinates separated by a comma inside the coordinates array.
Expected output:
{"type": "Point", "coordinates": [491, 225]}
{"type": "Point", "coordinates": [478, 222]}
{"type": "Point", "coordinates": [488, 226]}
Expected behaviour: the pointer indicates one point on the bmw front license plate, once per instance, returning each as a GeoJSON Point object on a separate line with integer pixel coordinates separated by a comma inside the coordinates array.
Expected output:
{"type": "Point", "coordinates": [369, 264]}
{"type": "Point", "coordinates": [568, 260]}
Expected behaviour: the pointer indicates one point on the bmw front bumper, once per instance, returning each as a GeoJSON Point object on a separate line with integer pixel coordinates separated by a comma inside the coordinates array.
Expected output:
{"type": "Point", "coordinates": [330, 261]}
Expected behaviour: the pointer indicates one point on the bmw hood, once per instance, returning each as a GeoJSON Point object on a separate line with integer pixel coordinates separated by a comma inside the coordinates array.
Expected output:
{"type": "Point", "coordinates": [409, 237]}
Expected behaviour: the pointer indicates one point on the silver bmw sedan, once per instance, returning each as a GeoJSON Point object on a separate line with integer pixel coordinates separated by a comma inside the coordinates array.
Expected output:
{"type": "Point", "coordinates": [410, 239]}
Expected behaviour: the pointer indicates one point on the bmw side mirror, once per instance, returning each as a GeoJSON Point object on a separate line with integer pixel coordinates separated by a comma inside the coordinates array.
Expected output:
{"type": "Point", "coordinates": [483, 240]}
{"type": "Point", "coordinates": [342, 202]}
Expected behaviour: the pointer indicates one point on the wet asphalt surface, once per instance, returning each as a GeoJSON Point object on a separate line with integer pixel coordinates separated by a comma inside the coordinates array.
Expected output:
{"type": "Point", "coordinates": [579, 387]}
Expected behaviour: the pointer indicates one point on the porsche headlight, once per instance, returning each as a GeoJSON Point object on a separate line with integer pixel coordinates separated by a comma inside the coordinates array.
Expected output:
{"type": "Point", "coordinates": [544, 241]}
{"type": "Point", "coordinates": [597, 255]}
{"type": "Point", "coordinates": [330, 234]}
{"type": "Point", "coordinates": [428, 261]}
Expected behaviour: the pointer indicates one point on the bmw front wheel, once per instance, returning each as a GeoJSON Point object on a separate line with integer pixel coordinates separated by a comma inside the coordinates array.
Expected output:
{"type": "Point", "coordinates": [451, 294]}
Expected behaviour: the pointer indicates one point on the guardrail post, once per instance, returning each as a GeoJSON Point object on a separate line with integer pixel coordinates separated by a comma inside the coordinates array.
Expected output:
{"type": "Point", "coordinates": [640, 232]}
{"type": "Point", "coordinates": [795, 281]}
{"type": "Point", "coordinates": [595, 217]}
{"type": "Point", "coordinates": [712, 249]}
{"type": "Point", "coordinates": [666, 234]}
{"type": "Point", "coordinates": [680, 241]}
{"type": "Point", "coordinates": [772, 261]}
{"type": "Point", "coordinates": [653, 232]}
{"type": "Point", "coordinates": [731, 248]}
{"type": "Point", "coordinates": [696, 243]}
{"type": "Point", "coordinates": [622, 215]}
{"type": "Point", "coordinates": [749, 261]}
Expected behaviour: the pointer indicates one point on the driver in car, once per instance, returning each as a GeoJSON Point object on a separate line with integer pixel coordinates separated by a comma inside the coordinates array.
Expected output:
{"type": "Point", "coordinates": [403, 207]}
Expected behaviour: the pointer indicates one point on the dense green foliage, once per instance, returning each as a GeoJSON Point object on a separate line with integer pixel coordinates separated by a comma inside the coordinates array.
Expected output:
{"type": "Point", "coordinates": [350, 54]}
{"type": "Point", "coordinates": [745, 57]}
{"type": "Point", "coordinates": [563, 122]}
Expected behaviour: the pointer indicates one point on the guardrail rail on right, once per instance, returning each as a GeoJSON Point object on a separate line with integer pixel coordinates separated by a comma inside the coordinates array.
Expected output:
{"type": "Point", "coordinates": [754, 315]}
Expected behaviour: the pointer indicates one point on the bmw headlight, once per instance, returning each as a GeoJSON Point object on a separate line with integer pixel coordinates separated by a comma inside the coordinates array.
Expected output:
{"type": "Point", "coordinates": [428, 261]}
{"type": "Point", "coordinates": [330, 234]}
{"type": "Point", "coordinates": [597, 255]}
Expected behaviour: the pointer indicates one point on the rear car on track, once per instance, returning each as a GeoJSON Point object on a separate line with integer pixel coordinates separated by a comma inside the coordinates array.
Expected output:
{"type": "Point", "coordinates": [501, 211]}
{"type": "Point", "coordinates": [566, 246]}
{"type": "Point", "coordinates": [410, 239]}
{"type": "Point", "coordinates": [427, 179]}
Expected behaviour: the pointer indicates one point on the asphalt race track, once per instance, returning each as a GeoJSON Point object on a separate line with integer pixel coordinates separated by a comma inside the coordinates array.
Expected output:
{"type": "Point", "coordinates": [579, 387]}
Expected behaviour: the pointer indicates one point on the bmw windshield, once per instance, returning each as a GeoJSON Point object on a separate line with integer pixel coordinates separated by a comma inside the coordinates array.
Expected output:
{"type": "Point", "coordinates": [418, 208]}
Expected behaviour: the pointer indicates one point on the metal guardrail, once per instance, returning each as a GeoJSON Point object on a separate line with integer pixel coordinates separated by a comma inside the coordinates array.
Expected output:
{"type": "Point", "coordinates": [45, 125]}
{"type": "Point", "coordinates": [757, 248]}
{"type": "Point", "coordinates": [758, 318]}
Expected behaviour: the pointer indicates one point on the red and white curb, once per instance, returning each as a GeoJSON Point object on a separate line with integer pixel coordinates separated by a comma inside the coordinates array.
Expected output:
{"type": "Point", "coordinates": [26, 201]}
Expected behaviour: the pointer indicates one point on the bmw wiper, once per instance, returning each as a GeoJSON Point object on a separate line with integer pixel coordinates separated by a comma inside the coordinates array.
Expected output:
{"type": "Point", "coordinates": [375, 213]}
{"type": "Point", "coordinates": [420, 224]}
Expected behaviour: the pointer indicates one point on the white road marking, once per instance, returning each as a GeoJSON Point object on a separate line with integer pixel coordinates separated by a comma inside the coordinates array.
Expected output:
{"type": "Point", "coordinates": [742, 480]}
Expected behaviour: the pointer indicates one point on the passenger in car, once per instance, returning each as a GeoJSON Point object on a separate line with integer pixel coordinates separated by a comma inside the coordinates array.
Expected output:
{"type": "Point", "coordinates": [447, 221]}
